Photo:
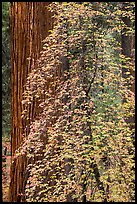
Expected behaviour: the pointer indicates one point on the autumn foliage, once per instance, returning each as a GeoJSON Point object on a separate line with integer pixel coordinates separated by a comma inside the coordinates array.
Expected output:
{"type": "Point", "coordinates": [80, 146]}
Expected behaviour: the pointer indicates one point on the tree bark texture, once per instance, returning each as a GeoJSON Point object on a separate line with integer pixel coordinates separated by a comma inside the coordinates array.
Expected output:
{"type": "Point", "coordinates": [29, 25]}
{"type": "Point", "coordinates": [128, 46]}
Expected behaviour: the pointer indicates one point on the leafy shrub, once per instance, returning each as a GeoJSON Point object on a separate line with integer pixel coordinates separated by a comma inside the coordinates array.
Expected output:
{"type": "Point", "coordinates": [81, 143]}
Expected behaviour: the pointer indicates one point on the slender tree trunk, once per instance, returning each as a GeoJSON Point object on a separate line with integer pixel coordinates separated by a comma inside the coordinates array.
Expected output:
{"type": "Point", "coordinates": [128, 45]}
{"type": "Point", "coordinates": [87, 127]}
{"type": "Point", "coordinates": [29, 25]}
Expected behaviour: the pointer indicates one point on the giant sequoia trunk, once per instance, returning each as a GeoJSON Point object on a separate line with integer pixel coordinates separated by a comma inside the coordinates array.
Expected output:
{"type": "Point", "coordinates": [29, 25]}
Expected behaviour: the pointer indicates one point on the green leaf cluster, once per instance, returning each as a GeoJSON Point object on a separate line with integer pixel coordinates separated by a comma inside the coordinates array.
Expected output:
{"type": "Point", "coordinates": [6, 98]}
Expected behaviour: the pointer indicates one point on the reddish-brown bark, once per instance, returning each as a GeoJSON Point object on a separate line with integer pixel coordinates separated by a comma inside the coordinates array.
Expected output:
{"type": "Point", "coordinates": [29, 25]}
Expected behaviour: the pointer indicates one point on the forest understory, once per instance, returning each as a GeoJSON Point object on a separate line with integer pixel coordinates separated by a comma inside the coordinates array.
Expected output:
{"type": "Point", "coordinates": [68, 102]}
{"type": "Point", "coordinates": [6, 161]}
